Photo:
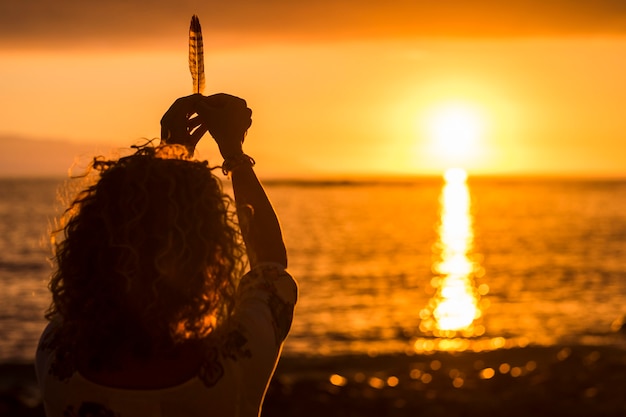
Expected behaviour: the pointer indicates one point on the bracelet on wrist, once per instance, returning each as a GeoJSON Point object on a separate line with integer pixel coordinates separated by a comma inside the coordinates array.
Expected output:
{"type": "Point", "coordinates": [232, 163]}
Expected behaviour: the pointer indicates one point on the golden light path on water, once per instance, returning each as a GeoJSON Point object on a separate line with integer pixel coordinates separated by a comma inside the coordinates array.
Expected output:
{"type": "Point", "coordinates": [452, 318]}
{"type": "Point", "coordinates": [456, 306]}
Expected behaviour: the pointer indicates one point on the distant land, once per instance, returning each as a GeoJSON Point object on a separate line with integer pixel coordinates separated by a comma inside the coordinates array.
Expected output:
{"type": "Point", "coordinates": [20, 157]}
{"type": "Point", "coordinates": [44, 158]}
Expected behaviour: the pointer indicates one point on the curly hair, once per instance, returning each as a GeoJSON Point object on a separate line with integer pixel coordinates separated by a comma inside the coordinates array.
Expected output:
{"type": "Point", "coordinates": [146, 257]}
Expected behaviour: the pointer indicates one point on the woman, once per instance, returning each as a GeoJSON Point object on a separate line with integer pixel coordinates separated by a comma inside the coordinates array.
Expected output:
{"type": "Point", "coordinates": [149, 316]}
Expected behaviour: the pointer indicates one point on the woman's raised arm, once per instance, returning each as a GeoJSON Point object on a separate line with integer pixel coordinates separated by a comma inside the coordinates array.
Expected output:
{"type": "Point", "coordinates": [228, 119]}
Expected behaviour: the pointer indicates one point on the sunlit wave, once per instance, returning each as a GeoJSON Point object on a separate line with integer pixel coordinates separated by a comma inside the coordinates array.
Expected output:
{"type": "Point", "coordinates": [455, 307]}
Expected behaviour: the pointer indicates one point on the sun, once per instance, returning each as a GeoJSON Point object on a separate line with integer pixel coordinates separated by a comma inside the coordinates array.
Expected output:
{"type": "Point", "coordinates": [455, 129]}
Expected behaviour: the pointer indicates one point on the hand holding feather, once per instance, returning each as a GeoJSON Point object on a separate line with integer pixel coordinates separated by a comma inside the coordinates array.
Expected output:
{"type": "Point", "coordinates": [227, 119]}
{"type": "Point", "coordinates": [181, 125]}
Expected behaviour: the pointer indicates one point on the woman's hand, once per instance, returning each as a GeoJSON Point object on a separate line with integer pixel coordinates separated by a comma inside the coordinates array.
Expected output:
{"type": "Point", "coordinates": [227, 119]}
{"type": "Point", "coordinates": [181, 124]}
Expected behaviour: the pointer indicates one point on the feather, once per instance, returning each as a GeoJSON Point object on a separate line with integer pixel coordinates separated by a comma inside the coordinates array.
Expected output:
{"type": "Point", "coordinates": [196, 55]}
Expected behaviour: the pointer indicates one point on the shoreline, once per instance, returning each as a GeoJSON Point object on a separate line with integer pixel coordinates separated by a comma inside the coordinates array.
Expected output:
{"type": "Point", "coordinates": [553, 381]}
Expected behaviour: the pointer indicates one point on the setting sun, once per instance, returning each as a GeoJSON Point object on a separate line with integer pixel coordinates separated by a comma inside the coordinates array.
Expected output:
{"type": "Point", "coordinates": [455, 129]}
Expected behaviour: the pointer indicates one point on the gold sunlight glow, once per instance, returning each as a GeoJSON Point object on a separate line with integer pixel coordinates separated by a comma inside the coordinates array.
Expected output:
{"type": "Point", "coordinates": [455, 130]}
{"type": "Point", "coordinates": [455, 305]}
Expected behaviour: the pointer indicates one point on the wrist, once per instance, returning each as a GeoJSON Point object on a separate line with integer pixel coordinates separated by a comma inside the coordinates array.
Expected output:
{"type": "Point", "coordinates": [237, 161]}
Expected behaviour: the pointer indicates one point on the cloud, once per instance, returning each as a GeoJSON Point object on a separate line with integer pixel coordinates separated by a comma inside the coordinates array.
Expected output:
{"type": "Point", "coordinates": [122, 23]}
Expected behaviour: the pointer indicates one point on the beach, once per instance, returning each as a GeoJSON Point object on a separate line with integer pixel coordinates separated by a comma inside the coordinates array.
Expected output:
{"type": "Point", "coordinates": [568, 381]}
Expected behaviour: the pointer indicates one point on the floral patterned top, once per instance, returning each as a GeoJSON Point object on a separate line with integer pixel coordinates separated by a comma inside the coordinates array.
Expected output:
{"type": "Point", "coordinates": [232, 380]}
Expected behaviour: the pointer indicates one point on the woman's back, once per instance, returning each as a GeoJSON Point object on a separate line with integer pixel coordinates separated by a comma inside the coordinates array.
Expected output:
{"type": "Point", "coordinates": [160, 372]}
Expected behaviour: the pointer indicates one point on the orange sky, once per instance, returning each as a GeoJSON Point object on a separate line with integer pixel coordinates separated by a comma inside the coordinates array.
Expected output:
{"type": "Point", "coordinates": [337, 87]}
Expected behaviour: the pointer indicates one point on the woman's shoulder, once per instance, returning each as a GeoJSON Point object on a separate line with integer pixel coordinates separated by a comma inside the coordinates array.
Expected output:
{"type": "Point", "coordinates": [266, 301]}
{"type": "Point", "coordinates": [54, 355]}
{"type": "Point", "coordinates": [273, 278]}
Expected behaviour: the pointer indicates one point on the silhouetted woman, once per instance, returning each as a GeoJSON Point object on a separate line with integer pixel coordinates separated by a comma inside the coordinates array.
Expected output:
{"type": "Point", "coordinates": [150, 314]}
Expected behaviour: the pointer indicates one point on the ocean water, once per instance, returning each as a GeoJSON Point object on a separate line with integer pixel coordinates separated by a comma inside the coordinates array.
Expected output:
{"type": "Point", "coordinates": [398, 267]}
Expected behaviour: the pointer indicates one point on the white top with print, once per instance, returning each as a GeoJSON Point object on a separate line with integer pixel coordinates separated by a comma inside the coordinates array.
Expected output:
{"type": "Point", "coordinates": [231, 382]}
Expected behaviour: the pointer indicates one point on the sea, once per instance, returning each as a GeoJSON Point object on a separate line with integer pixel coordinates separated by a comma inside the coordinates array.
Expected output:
{"type": "Point", "coordinates": [396, 266]}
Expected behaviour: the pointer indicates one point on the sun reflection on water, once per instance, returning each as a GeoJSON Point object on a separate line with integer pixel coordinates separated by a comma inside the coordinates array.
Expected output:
{"type": "Point", "coordinates": [455, 310]}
